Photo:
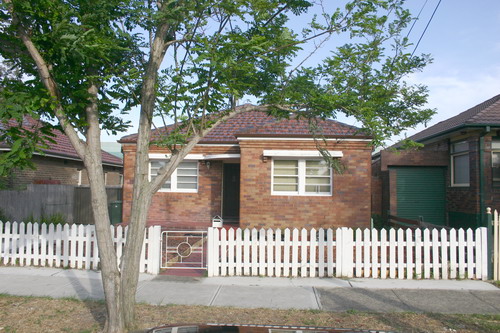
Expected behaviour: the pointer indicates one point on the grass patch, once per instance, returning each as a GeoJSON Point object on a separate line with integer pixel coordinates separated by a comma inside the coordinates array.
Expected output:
{"type": "Point", "coordinates": [29, 314]}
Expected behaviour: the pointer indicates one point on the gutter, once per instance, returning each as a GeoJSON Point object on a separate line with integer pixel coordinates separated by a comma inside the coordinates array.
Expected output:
{"type": "Point", "coordinates": [454, 129]}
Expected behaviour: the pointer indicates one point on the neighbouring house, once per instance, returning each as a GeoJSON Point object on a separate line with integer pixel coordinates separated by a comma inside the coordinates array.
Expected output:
{"type": "Point", "coordinates": [258, 171]}
{"type": "Point", "coordinates": [59, 163]}
{"type": "Point", "coordinates": [452, 179]}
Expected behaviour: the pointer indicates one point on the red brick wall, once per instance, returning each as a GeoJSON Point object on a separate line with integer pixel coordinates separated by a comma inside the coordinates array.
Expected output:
{"type": "Point", "coordinates": [348, 206]}
{"type": "Point", "coordinates": [176, 211]}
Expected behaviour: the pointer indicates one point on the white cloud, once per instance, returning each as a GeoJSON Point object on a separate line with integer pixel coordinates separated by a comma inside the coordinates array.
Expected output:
{"type": "Point", "coordinates": [454, 93]}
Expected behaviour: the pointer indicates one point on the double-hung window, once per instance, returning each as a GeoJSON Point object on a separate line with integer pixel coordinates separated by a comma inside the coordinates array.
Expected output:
{"type": "Point", "coordinates": [183, 179]}
{"type": "Point", "coordinates": [460, 172]}
{"type": "Point", "coordinates": [301, 177]}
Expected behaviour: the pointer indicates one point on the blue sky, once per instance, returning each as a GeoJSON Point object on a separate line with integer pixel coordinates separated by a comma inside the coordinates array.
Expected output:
{"type": "Point", "coordinates": [464, 41]}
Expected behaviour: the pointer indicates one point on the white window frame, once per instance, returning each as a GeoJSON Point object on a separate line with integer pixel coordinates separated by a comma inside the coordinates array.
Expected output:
{"type": "Point", "coordinates": [173, 178]}
{"type": "Point", "coordinates": [453, 155]}
{"type": "Point", "coordinates": [301, 179]}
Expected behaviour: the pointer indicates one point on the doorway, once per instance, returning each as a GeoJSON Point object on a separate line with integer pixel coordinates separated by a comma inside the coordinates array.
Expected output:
{"type": "Point", "coordinates": [231, 193]}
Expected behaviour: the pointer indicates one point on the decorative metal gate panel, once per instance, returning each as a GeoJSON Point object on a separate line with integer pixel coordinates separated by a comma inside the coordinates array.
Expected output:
{"type": "Point", "coordinates": [184, 249]}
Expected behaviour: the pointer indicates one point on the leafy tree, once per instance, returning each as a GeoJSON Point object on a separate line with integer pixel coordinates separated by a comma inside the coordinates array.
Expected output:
{"type": "Point", "coordinates": [86, 63]}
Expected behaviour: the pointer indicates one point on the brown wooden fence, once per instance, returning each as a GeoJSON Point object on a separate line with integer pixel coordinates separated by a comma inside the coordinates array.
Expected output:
{"type": "Point", "coordinates": [72, 202]}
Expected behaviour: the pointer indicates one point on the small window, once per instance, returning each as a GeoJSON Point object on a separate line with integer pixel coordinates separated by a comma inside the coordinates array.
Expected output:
{"type": "Point", "coordinates": [460, 172]}
{"type": "Point", "coordinates": [183, 179]}
{"type": "Point", "coordinates": [301, 177]}
{"type": "Point", "coordinates": [495, 161]}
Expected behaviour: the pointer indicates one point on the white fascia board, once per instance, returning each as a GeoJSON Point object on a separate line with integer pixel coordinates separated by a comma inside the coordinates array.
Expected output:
{"type": "Point", "coordinates": [167, 156]}
{"type": "Point", "coordinates": [301, 139]}
{"type": "Point", "coordinates": [222, 156]}
{"type": "Point", "coordinates": [300, 153]}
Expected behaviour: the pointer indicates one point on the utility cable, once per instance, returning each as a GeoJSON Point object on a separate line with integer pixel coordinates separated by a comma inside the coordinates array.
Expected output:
{"type": "Point", "coordinates": [423, 33]}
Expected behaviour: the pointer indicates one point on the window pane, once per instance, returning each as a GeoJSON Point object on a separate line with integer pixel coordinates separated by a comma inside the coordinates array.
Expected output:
{"type": "Point", "coordinates": [495, 144]}
{"type": "Point", "coordinates": [187, 172]}
{"type": "Point", "coordinates": [285, 180]}
{"type": "Point", "coordinates": [461, 169]}
{"type": "Point", "coordinates": [181, 179]}
{"type": "Point", "coordinates": [317, 189]}
{"type": "Point", "coordinates": [280, 171]}
{"type": "Point", "coordinates": [287, 188]}
{"type": "Point", "coordinates": [317, 180]}
{"type": "Point", "coordinates": [286, 163]}
{"type": "Point", "coordinates": [495, 161]}
{"type": "Point", "coordinates": [188, 165]}
{"type": "Point", "coordinates": [317, 167]}
{"type": "Point", "coordinates": [458, 147]}
{"type": "Point", "coordinates": [316, 164]}
{"type": "Point", "coordinates": [188, 186]}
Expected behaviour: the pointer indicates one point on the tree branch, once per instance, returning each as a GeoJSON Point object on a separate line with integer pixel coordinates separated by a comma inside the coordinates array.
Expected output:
{"type": "Point", "coordinates": [49, 83]}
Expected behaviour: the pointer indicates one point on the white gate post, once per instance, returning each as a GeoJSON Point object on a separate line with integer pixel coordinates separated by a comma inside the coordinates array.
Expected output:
{"type": "Point", "coordinates": [210, 250]}
{"type": "Point", "coordinates": [154, 250]}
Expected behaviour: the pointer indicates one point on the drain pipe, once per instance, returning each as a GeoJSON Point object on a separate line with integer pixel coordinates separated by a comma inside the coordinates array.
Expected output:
{"type": "Point", "coordinates": [482, 208]}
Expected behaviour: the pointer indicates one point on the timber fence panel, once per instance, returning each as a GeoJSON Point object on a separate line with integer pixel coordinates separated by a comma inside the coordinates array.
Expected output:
{"type": "Point", "coordinates": [444, 254]}
{"type": "Point", "coordinates": [321, 252]}
{"type": "Point", "coordinates": [358, 243]}
{"type": "Point", "coordinates": [461, 253]}
{"type": "Point", "coordinates": [304, 247]}
{"type": "Point", "coordinates": [313, 245]}
{"type": "Point", "coordinates": [73, 246]}
{"type": "Point", "coordinates": [262, 252]}
{"type": "Point", "coordinates": [231, 253]}
{"type": "Point", "coordinates": [383, 254]}
{"type": "Point", "coordinates": [366, 252]}
{"type": "Point", "coordinates": [375, 254]}
{"type": "Point", "coordinates": [435, 254]}
{"type": "Point", "coordinates": [239, 252]}
{"type": "Point", "coordinates": [270, 252]}
{"type": "Point", "coordinates": [278, 255]}
{"type": "Point", "coordinates": [409, 253]}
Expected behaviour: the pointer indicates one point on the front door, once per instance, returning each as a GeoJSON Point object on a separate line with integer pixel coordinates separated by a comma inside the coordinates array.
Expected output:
{"type": "Point", "coordinates": [231, 193]}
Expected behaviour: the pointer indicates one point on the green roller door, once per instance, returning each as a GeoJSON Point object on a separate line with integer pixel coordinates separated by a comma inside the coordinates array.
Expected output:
{"type": "Point", "coordinates": [421, 192]}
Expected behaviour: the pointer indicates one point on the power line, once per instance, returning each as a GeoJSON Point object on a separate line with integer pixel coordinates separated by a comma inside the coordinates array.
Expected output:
{"type": "Point", "coordinates": [416, 19]}
{"type": "Point", "coordinates": [423, 33]}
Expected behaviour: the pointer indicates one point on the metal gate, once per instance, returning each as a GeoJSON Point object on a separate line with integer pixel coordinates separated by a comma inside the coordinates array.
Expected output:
{"type": "Point", "coordinates": [183, 249]}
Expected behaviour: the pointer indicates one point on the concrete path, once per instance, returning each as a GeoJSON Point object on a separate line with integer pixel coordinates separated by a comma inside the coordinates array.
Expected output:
{"type": "Point", "coordinates": [329, 294]}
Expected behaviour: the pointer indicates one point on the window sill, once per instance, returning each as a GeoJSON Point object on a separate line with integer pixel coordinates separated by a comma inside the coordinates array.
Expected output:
{"type": "Point", "coordinates": [301, 195]}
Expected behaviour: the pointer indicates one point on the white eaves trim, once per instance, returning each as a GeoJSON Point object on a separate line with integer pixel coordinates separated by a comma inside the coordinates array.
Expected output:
{"type": "Point", "coordinates": [300, 153]}
{"type": "Point", "coordinates": [167, 156]}
{"type": "Point", "coordinates": [221, 156]}
{"type": "Point", "coordinates": [302, 139]}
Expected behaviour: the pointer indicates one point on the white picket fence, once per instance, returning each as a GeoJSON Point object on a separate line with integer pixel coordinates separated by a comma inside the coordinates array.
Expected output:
{"type": "Point", "coordinates": [68, 246]}
{"type": "Point", "coordinates": [402, 254]}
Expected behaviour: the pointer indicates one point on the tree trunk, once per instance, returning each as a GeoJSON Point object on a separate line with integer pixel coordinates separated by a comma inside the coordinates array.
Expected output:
{"type": "Point", "coordinates": [108, 260]}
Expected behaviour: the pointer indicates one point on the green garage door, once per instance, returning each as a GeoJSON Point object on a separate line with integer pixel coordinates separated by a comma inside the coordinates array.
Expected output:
{"type": "Point", "coordinates": [421, 192]}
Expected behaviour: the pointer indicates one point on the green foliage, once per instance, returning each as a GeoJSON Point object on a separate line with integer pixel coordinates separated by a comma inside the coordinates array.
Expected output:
{"type": "Point", "coordinates": [4, 217]}
{"type": "Point", "coordinates": [378, 222]}
{"type": "Point", "coordinates": [56, 218]}
{"type": "Point", "coordinates": [221, 51]}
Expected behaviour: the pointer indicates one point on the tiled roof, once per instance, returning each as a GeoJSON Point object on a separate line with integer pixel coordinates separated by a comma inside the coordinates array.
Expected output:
{"type": "Point", "coordinates": [486, 113]}
{"type": "Point", "coordinates": [258, 123]}
{"type": "Point", "coordinates": [62, 146]}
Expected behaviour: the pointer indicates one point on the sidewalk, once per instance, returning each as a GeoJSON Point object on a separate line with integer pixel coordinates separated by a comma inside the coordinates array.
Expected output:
{"type": "Point", "coordinates": [328, 294]}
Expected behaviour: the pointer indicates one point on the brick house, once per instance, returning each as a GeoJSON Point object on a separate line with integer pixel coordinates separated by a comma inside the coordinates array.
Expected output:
{"type": "Point", "coordinates": [452, 179]}
{"type": "Point", "coordinates": [257, 171]}
{"type": "Point", "coordinates": [60, 164]}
